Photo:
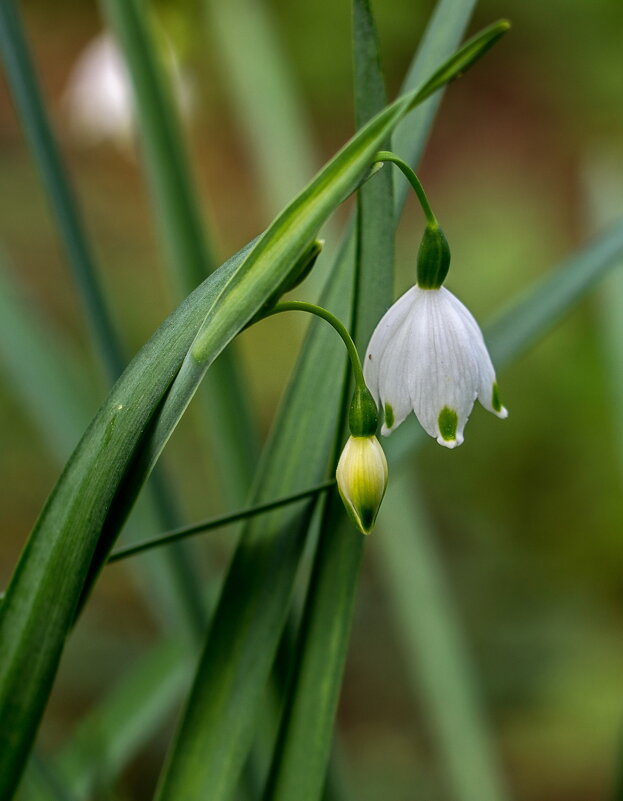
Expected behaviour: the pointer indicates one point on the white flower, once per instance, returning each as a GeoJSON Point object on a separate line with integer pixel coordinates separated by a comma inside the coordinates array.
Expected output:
{"type": "Point", "coordinates": [98, 97]}
{"type": "Point", "coordinates": [361, 479]}
{"type": "Point", "coordinates": [428, 354]}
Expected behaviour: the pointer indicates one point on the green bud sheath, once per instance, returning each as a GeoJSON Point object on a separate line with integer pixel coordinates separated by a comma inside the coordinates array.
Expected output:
{"type": "Point", "coordinates": [363, 417]}
{"type": "Point", "coordinates": [433, 259]}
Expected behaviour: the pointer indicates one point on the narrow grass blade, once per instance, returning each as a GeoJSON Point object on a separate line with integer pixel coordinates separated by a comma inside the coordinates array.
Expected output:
{"type": "Point", "coordinates": [300, 759]}
{"type": "Point", "coordinates": [429, 633]}
{"type": "Point", "coordinates": [190, 257]}
{"type": "Point", "coordinates": [28, 348]}
{"type": "Point", "coordinates": [261, 91]}
{"type": "Point", "coordinates": [25, 90]}
{"type": "Point", "coordinates": [543, 305]}
{"type": "Point", "coordinates": [220, 715]}
{"type": "Point", "coordinates": [216, 522]}
{"type": "Point", "coordinates": [605, 205]}
{"type": "Point", "coordinates": [605, 200]}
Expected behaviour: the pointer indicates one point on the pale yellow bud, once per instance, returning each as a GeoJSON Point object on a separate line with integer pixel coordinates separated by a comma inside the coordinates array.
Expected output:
{"type": "Point", "coordinates": [362, 479]}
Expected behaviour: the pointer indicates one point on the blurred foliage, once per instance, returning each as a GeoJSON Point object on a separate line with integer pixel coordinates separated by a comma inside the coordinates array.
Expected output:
{"type": "Point", "coordinates": [528, 513]}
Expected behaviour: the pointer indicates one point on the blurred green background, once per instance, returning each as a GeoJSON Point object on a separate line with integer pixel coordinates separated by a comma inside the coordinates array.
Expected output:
{"type": "Point", "coordinates": [527, 515]}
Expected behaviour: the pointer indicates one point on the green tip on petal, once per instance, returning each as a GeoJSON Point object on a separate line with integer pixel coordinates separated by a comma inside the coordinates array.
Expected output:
{"type": "Point", "coordinates": [389, 415]}
{"type": "Point", "coordinates": [496, 403]}
{"type": "Point", "coordinates": [448, 422]}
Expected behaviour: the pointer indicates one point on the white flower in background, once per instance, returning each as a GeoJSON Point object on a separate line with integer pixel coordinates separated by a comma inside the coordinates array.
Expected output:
{"type": "Point", "coordinates": [428, 354]}
{"type": "Point", "coordinates": [98, 97]}
{"type": "Point", "coordinates": [361, 480]}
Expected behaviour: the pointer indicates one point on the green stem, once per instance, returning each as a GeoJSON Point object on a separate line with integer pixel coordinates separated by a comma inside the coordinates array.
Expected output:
{"type": "Point", "coordinates": [388, 156]}
{"type": "Point", "coordinates": [311, 308]}
{"type": "Point", "coordinates": [216, 522]}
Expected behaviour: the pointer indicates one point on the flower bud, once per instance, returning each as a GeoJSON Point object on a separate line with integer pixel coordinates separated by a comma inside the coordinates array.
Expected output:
{"type": "Point", "coordinates": [362, 479]}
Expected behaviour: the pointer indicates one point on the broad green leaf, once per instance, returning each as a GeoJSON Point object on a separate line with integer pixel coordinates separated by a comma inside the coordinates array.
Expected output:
{"type": "Point", "coordinates": [41, 600]}
{"type": "Point", "coordinates": [190, 258]}
{"type": "Point", "coordinates": [47, 378]}
{"type": "Point", "coordinates": [185, 596]}
{"type": "Point", "coordinates": [220, 715]}
{"type": "Point", "coordinates": [300, 760]}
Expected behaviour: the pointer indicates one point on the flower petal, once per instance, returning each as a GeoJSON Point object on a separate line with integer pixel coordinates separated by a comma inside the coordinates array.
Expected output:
{"type": "Point", "coordinates": [386, 340]}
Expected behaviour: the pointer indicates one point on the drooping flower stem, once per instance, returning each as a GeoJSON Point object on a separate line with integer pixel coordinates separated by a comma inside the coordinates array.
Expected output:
{"type": "Point", "coordinates": [388, 156]}
{"type": "Point", "coordinates": [311, 308]}
{"type": "Point", "coordinates": [434, 253]}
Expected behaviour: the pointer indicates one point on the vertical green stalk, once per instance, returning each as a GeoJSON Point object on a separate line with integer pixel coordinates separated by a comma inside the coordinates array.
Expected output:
{"type": "Point", "coordinates": [302, 752]}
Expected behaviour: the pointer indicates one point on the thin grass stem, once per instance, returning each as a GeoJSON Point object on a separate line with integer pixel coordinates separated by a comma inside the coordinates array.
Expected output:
{"type": "Point", "coordinates": [216, 522]}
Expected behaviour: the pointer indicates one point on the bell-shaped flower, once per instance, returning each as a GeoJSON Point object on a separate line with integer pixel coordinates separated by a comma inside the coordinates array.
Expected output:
{"type": "Point", "coordinates": [98, 98]}
{"type": "Point", "coordinates": [428, 354]}
{"type": "Point", "coordinates": [361, 480]}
